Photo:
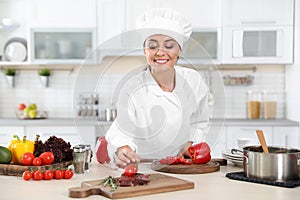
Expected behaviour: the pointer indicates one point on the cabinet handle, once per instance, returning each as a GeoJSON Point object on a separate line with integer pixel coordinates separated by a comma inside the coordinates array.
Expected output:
{"type": "Point", "coordinates": [248, 129]}
{"type": "Point", "coordinates": [258, 22]}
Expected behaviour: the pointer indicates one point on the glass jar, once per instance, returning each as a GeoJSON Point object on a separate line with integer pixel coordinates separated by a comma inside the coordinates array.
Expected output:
{"type": "Point", "coordinates": [79, 158]}
{"type": "Point", "coordinates": [269, 105]}
{"type": "Point", "coordinates": [253, 104]}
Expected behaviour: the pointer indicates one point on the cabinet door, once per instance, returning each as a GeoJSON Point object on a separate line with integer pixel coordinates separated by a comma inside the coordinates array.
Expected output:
{"type": "Point", "coordinates": [286, 136]}
{"type": "Point", "coordinates": [7, 132]}
{"type": "Point", "coordinates": [235, 132]}
{"type": "Point", "coordinates": [216, 139]}
{"type": "Point", "coordinates": [201, 13]}
{"type": "Point", "coordinates": [67, 13]}
{"type": "Point", "coordinates": [74, 135]}
{"type": "Point", "coordinates": [67, 133]}
{"type": "Point", "coordinates": [249, 12]}
{"type": "Point", "coordinates": [110, 19]}
{"type": "Point", "coordinates": [134, 9]}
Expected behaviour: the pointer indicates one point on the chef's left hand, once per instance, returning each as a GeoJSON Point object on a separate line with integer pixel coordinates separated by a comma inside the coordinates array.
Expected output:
{"type": "Point", "coordinates": [184, 150]}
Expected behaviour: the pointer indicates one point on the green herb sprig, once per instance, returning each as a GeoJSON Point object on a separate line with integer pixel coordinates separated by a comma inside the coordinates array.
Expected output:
{"type": "Point", "coordinates": [111, 181]}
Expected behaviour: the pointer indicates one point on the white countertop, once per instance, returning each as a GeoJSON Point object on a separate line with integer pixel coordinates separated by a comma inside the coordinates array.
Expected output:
{"type": "Point", "coordinates": [95, 122]}
{"type": "Point", "coordinates": [211, 186]}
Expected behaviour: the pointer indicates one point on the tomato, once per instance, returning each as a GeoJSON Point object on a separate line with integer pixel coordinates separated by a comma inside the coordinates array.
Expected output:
{"type": "Point", "coordinates": [37, 161]}
{"type": "Point", "coordinates": [68, 174]}
{"type": "Point", "coordinates": [48, 175]}
{"type": "Point", "coordinates": [27, 159]}
{"type": "Point", "coordinates": [131, 170]}
{"type": "Point", "coordinates": [47, 158]}
{"type": "Point", "coordinates": [58, 174]}
{"type": "Point", "coordinates": [37, 175]}
{"type": "Point", "coordinates": [200, 153]}
{"type": "Point", "coordinates": [27, 175]}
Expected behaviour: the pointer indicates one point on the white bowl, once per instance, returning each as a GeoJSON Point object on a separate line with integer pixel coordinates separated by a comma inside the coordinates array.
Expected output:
{"type": "Point", "coordinates": [242, 142]}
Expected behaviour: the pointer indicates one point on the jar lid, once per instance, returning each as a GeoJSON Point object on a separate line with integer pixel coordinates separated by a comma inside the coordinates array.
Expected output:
{"type": "Point", "coordinates": [87, 147]}
{"type": "Point", "coordinates": [79, 148]}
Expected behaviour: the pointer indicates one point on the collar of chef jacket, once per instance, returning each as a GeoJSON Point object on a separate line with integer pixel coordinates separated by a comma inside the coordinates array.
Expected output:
{"type": "Point", "coordinates": [174, 96]}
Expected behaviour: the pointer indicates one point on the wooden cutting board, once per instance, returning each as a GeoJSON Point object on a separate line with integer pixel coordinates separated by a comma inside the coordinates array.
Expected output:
{"type": "Point", "coordinates": [186, 169]}
{"type": "Point", "coordinates": [159, 183]}
{"type": "Point", "coordinates": [17, 170]}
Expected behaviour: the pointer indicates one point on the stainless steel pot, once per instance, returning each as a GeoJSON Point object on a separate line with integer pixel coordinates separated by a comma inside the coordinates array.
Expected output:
{"type": "Point", "coordinates": [280, 164]}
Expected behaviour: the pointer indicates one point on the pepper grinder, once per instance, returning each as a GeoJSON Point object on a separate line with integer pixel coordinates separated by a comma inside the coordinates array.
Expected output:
{"type": "Point", "coordinates": [79, 157]}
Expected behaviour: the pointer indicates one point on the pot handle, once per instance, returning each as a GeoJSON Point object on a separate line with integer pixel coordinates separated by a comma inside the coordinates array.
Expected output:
{"type": "Point", "coordinates": [235, 151]}
{"type": "Point", "coordinates": [246, 160]}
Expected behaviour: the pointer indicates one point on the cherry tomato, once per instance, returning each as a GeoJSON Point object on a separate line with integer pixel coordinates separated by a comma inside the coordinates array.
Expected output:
{"type": "Point", "coordinates": [68, 174]}
{"type": "Point", "coordinates": [32, 173]}
{"type": "Point", "coordinates": [37, 161]}
{"type": "Point", "coordinates": [27, 175]}
{"type": "Point", "coordinates": [47, 158]}
{"type": "Point", "coordinates": [27, 159]}
{"type": "Point", "coordinates": [37, 175]}
{"type": "Point", "coordinates": [58, 174]}
{"type": "Point", "coordinates": [131, 170]}
{"type": "Point", "coordinates": [48, 175]}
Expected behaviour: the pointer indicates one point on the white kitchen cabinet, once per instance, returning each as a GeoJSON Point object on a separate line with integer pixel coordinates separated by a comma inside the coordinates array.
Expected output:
{"type": "Point", "coordinates": [216, 139]}
{"type": "Point", "coordinates": [286, 136]}
{"type": "Point", "coordinates": [110, 19]}
{"type": "Point", "coordinates": [72, 134]}
{"type": "Point", "coordinates": [257, 12]}
{"type": "Point", "coordinates": [66, 13]}
{"type": "Point", "coordinates": [7, 132]}
{"type": "Point", "coordinates": [257, 32]}
{"type": "Point", "coordinates": [134, 9]}
{"type": "Point", "coordinates": [235, 132]}
{"type": "Point", "coordinates": [62, 45]}
{"type": "Point", "coordinates": [201, 13]}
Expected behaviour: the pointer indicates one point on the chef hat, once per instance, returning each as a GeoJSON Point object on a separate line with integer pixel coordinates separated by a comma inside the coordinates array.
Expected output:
{"type": "Point", "coordinates": [165, 21]}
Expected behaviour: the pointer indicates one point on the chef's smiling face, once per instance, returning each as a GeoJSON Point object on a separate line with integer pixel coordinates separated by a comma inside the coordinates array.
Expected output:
{"type": "Point", "coordinates": [161, 51]}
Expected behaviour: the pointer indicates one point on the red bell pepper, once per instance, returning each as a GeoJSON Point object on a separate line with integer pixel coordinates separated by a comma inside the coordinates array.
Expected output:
{"type": "Point", "coordinates": [200, 153]}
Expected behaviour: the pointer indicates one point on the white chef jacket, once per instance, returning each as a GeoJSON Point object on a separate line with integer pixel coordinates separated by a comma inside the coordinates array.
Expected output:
{"type": "Point", "coordinates": [155, 123]}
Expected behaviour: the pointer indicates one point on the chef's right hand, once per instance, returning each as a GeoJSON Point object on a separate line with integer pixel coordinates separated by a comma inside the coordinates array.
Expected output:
{"type": "Point", "coordinates": [125, 156]}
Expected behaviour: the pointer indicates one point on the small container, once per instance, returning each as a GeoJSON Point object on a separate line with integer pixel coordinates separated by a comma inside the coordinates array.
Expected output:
{"type": "Point", "coordinates": [88, 158]}
{"type": "Point", "coordinates": [79, 158]}
{"type": "Point", "coordinates": [253, 104]}
{"type": "Point", "coordinates": [110, 114]}
{"type": "Point", "coordinates": [269, 105]}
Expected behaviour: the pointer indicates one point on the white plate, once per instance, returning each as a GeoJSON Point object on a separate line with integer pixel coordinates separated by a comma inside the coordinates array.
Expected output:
{"type": "Point", "coordinates": [232, 159]}
{"type": "Point", "coordinates": [229, 154]}
{"type": "Point", "coordinates": [15, 50]}
{"type": "Point", "coordinates": [237, 163]}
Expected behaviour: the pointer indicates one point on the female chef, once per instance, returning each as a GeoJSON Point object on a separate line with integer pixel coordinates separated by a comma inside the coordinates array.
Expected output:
{"type": "Point", "coordinates": [163, 109]}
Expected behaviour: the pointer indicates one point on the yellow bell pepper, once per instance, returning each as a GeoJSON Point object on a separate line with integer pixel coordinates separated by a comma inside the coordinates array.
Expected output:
{"type": "Point", "coordinates": [18, 149]}
{"type": "Point", "coordinates": [15, 140]}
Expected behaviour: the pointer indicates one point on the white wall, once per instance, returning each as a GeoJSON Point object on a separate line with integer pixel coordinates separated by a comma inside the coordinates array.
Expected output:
{"type": "Point", "coordinates": [59, 97]}
{"type": "Point", "coordinates": [293, 74]}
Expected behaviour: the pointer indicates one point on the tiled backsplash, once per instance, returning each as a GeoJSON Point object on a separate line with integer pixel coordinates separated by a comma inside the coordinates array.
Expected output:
{"type": "Point", "coordinates": [266, 78]}
{"type": "Point", "coordinates": [58, 99]}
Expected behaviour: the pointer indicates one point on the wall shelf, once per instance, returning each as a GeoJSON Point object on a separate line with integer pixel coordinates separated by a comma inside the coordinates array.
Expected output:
{"type": "Point", "coordinates": [30, 67]}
